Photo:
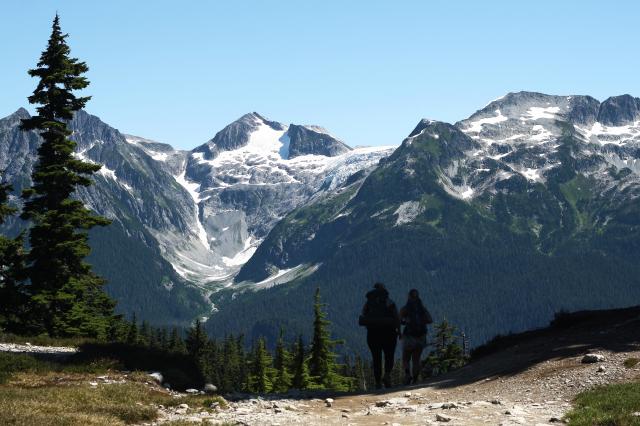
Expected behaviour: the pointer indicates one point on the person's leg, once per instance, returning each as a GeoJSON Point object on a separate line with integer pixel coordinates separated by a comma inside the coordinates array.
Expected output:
{"type": "Point", "coordinates": [375, 347]}
{"type": "Point", "coordinates": [406, 360]}
{"type": "Point", "coordinates": [416, 356]}
{"type": "Point", "coordinates": [389, 357]}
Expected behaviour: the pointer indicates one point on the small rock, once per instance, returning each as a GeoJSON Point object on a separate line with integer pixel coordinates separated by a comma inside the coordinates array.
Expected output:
{"type": "Point", "coordinates": [601, 369]}
{"type": "Point", "coordinates": [345, 416]}
{"type": "Point", "coordinates": [93, 383]}
{"type": "Point", "coordinates": [495, 402]}
{"type": "Point", "coordinates": [442, 418]}
{"type": "Point", "coordinates": [277, 410]}
{"type": "Point", "coordinates": [449, 406]}
{"type": "Point", "coordinates": [636, 414]}
{"type": "Point", "coordinates": [182, 409]}
{"type": "Point", "coordinates": [555, 420]}
{"type": "Point", "coordinates": [592, 358]}
{"type": "Point", "coordinates": [382, 403]}
{"type": "Point", "coordinates": [407, 394]}
{"type": "Point", "coordinates": [192, 391]}
{"type": "Point", "coordinates": [329, 402]}
{"type": "Point", "coordinates": [157, 377]}
{"type": "Point", "coordinates": [210, 388]}
{"type": "Point", "coordinates": [345, 410]}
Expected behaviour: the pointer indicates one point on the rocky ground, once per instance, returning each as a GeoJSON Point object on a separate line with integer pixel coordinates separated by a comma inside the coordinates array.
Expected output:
{"type": "Point", "coordinates": [35, 349]}
{"type": "Point", "coordinates": [540, 395]}
{"type": "Point", "coordinates": [529, 380]}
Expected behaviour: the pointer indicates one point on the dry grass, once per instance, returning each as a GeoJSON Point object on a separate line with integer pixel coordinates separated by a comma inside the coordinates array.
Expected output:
{"type": "Point", "coordinates": [42, 393]}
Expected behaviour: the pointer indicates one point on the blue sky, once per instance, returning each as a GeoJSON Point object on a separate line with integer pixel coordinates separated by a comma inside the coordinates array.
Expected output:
{"type": "Point", "coordinates": [179, 71]}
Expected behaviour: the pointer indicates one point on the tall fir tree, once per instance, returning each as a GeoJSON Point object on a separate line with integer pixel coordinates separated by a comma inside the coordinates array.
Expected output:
{"type": "Point", "coordinates": [300, 367]}
{"type": "Point", "coordinates": [196, 342]}
{"type": "Point", "coordinates": [261, 372]}
{"type": "Point", "coordinates": [68, 298]}
{"type": "Point", "coordinates": [322, 362]}
{"type": "Point", "coordinates": [13, 292]}
{"type": "Point", "coordinates": [132, 332]}
{"type": "Point", "coordinates": [281, 361]}
{"type": "Point", "coordinates": [176, 344]}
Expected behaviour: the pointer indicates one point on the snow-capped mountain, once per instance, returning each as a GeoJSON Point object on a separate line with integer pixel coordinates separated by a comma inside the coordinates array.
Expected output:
{"type": "Point", "coordinates": [243, 181]}
{"type": "Point", "coordinates": [185, 219]}
{"type": "Point", "coordinates": [519, 134]}
{"type": "Point", "coordinates": [528, 207]}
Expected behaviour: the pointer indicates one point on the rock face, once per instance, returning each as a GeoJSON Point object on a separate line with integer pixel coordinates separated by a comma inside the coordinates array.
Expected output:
{"type": "Point", "coordinates": [186, 220]}
{"type": "Point", "coordinates": [313, 140]}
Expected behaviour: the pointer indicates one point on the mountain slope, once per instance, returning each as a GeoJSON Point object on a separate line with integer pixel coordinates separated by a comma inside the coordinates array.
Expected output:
{"type": "Point", "coordinates": [527, 208]}
{"type": "Point", "coordinates": [131, 191]}
{"type": "Point", "coordinates": [185, 221]}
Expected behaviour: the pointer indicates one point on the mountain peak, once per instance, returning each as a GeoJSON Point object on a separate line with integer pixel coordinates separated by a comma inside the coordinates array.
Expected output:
{"type": "Point", "coordinates": [310, 139]}
{"type": "Point", "coordinates": [619, 110]}
{"type": "Point", "coordinates": [21, 113]}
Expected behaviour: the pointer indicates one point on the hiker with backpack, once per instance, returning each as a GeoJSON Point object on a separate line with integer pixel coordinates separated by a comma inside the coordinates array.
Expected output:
{"type": "Point", "coordinates": [415, 317]}
{"type": "Point", "coordinates": [380, 316]}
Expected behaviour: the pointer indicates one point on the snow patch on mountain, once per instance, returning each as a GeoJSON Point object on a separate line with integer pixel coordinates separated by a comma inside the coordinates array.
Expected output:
{"type": "Point", "coordinates": [476, 126]}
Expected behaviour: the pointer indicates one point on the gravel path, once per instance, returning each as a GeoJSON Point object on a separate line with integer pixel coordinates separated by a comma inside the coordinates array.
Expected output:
{"type": "Point", "coordinates": [34, 349]}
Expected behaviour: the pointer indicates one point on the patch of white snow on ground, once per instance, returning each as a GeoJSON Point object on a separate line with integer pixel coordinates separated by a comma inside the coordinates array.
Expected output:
{"type": "Point", "coordinates": [160, 156]}
{"type": "Point", "coordinates": [243, 256]}
{"type": "Point", "coordinates": [407, 212]}
{"type": "Point", "coordinates": [537, 113]}
{"type": "Point", "coordinates": [476, 126]}
{"type": "Point", "coordinates": [193, 188]}
{"type": "Point", "coordinates": [108, 173]}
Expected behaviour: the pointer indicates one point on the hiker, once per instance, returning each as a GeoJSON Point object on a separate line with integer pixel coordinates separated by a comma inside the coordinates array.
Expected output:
{"type": "Point", "coordinates": [380, 316]}
{"type": "Point", "coordinates": [415, 317]}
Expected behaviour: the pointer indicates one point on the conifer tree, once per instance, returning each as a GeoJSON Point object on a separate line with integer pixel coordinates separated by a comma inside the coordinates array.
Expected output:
{"type": "Point", "coordinates": [322, 362]}
{"type": "Point", "coordinates": [301, 378]}
{"type": "Point", "coordinates": [448, 354]}
{"type": "Point", "coordinates": [243, 371]}
{"type": "Point", "coordinates": [259, 378]}
{"type": "Point", "coordinates": [68, 298]}
{"type": "Point", "coordinates": [13, 292]}
{"type": "Point", "coordinates": [196, 341]}
{"type": "Point", "coordinates": [132, 333]}
{"type": "Point", "coordinates": [176, 344]}
{"type": "Point", "coordinates": [281, 362]}
{"type": "Point", "coordinates": [230, 374]}
{"type": "Point", "coordinates": [145, 334]}
{"type": "Point", "coordinates": [359, 374]}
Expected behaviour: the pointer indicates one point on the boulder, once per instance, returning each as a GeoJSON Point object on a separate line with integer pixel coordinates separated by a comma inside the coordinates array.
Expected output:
{"type": "Point", "coordinates": [592, 358]}
{"type": "Point", "coordinates": [210, 388]}
{"type": "Point", "coordinates": [157, 377]}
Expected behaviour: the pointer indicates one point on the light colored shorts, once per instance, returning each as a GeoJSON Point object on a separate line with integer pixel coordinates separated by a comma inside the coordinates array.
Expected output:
{"type": "Point", "coordinates": [411, 343]}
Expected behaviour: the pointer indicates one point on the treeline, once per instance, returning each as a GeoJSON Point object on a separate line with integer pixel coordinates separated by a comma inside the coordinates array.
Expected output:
{"type": "Point", "coordinates": [231, 367]}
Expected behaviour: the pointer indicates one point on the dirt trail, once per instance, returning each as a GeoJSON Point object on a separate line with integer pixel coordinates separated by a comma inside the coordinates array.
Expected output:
{"type": "Point", "coordinates": [529, 381]}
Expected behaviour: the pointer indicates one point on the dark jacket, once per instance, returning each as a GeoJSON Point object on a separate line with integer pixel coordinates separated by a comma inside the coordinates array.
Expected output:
{"type": "Point", "coordinates": [390, 324]}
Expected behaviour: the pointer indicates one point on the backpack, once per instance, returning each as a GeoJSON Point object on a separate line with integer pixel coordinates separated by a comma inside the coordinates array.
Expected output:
{"type": "Point", "coordinates": [379, 311]}
{"type": "Point", "coordinates": [416, 321]}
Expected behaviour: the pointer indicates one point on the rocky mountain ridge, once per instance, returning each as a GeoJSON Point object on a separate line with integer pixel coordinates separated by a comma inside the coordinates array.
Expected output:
{"type": "Point", "coordinates": [196, 216]}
